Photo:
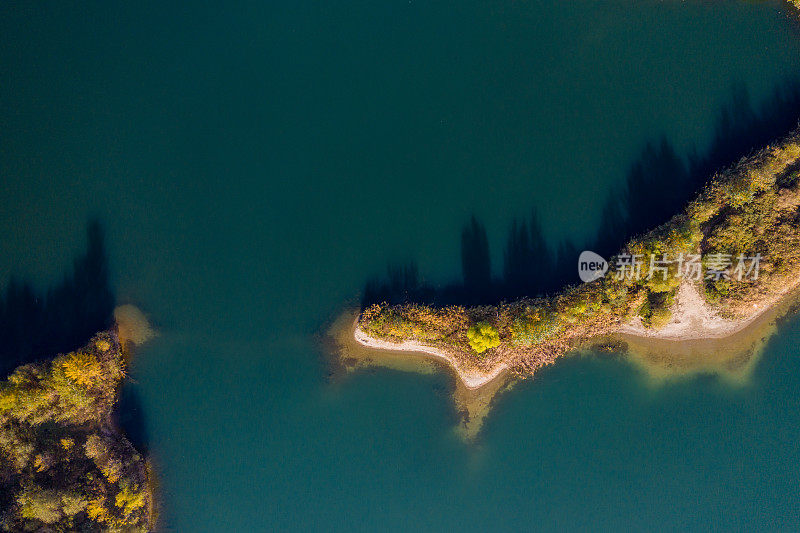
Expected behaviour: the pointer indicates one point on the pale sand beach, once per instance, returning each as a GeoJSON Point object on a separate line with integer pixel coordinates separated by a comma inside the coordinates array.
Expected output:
{"type": "Point", "coordinates": [473, 393]}
{"type": "Point", "coordinates": [696, 339]}
{"type": "Point", "coordinates": [694, 319]}
{"type": "Point", "coordinates": [472, 379]}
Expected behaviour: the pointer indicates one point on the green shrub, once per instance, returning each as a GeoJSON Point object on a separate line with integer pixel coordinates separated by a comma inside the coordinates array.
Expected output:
{"type": "Point", "coordinates": [659, 283]}
{"type": "Point", "coordinates": [655, 310]}
{"type": "Point", "coordinates": [483, 336]}
{"type": "Point", "coordinates": [130, 498]}
{"type": "Point", "coordinates": [701, 210]}
{"type": "Point", "coordinates": [716, 290]}
{"type": "Point", "coordinates": [73, 503]}
{"type": "Point", "coordinates": [644, 310]}
{"type": "Point", "coordinates": [534, 327]}
{"type": "Point", "coordinates": [660, 317]}
{"type": "Point", "coordinates": [740, 192]}
{"type": "Point", "coordinates": [38, 504]}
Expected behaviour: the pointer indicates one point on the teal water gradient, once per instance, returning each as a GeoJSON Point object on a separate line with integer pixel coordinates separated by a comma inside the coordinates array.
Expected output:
{"type": "Point", "coordinates": [255, 164]}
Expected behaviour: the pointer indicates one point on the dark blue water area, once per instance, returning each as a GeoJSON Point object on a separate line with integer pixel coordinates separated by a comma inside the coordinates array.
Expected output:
{"type": "Point", "coordinates": [252, 166]}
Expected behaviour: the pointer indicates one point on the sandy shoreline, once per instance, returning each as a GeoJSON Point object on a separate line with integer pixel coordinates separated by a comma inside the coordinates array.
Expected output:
{"type": "Point", "coordinates": [471, 380]}
{"type": "Point", "coordinates": [694, 319]}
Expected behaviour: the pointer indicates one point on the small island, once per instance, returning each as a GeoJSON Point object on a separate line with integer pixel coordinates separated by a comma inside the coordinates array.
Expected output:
{"type": "Point", "coordinates": [729, 258]}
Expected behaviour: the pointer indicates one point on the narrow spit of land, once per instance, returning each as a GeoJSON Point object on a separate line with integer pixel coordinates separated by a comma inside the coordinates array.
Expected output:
{"type": "Point", "coordinates": [747, 220]}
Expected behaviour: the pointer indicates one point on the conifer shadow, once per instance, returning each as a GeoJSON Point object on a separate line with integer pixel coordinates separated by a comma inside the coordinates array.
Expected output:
{"type": "Point", "coordinates": [659, 182]}
{"type": "Point", "coordinates": [35, 326]}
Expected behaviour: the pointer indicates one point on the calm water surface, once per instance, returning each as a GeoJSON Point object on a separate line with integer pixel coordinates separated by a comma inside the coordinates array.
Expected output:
{"type": "Point", "coordinates": [255, 164]}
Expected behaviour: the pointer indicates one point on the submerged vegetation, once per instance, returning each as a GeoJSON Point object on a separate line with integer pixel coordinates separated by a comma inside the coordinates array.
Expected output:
{"type": "Point", "coordinates": [64, 465]}
{"type": "Point", "coordinates": [749, 210]}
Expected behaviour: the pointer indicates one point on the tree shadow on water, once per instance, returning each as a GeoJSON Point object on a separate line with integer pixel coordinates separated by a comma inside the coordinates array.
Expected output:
{"type": "Point", "coordinates": [659, 182]}
{"type": "Point", "coordinates": [131, 417]}
{"type": "Point", "coordinates": [35, 326]}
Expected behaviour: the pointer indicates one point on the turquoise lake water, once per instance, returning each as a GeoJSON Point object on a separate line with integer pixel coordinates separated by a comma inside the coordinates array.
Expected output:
{"type": "Point", "coordinates": [254, 165]}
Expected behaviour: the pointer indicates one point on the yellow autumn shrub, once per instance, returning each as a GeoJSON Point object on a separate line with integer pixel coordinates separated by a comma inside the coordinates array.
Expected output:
{"type": "Point", "coordinates": [83, 368]}
{"type": "Point", "coordinates": [483, 336]}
